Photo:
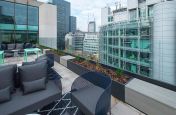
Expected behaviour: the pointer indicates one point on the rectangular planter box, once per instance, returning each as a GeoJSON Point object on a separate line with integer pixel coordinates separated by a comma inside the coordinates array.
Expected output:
{"type": "Point", "coordinates": [76, 68]}
{"type": "Point", "coordinates": [117, 89]}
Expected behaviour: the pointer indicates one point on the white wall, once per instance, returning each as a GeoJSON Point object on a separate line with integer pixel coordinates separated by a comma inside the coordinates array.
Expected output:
{"type": "Point", "coordinates": [104, 15]}
{"type": "Point", "coordinates": [121, 16]}
{"type": "Point", "coordinates": [48, 25]}
{"type": "Point", "coordinates": [164, 42]}
{"type": "Point", "coordinates": [131, 4]}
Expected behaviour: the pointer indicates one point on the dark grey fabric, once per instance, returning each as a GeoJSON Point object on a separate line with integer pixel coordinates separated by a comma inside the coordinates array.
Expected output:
{"type": "Point", "coordinates": [19, 46]}
{"type": "Point", "coordinates": [28, 45]}
{"type": "Point", "coordinates": [5, 94]}
{"type": "Point", "coordinates": [49, 58]}
{"type": "Point", "coordinates": [7, 76]}
{"type": "Point", "coordinates": [33, 72]}
{"type": "Point", "coordinates": [10, 46]}
{"type": "Point", "coordinates": [28, 63]}
{"type": "Point", "coordinates": [87, 98]}
{"type": "Point", "coordinates": [24, 104]}
{"type": "Point", "coordinates": [34, 86]}
{"type": "Point", "coordinates": [3, 47]}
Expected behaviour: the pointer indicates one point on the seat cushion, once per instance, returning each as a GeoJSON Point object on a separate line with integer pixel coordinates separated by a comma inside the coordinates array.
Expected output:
{"type": "Point", "coordinates": [87, 98]}
{"type": "Point", "coordinates": [23, 104]}
{"type": "Point", "coordinates": [30, 74]}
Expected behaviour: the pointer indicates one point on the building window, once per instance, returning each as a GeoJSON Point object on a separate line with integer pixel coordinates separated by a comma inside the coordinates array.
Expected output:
{"type": "Point", "coordinates": [142, 13]}
{"type": "Point", "coordinates": [6, 12]}
{"type": "Point", "coordinates": [33, 16]}
{"type": "Point", "coordinates": [133, 14]}
{"type": "Point", "coordinates": [20, 14]}
{"type": "Point", "coordinates": [110, 19]}
{"type": "Point", "coordinates": [150, 11]}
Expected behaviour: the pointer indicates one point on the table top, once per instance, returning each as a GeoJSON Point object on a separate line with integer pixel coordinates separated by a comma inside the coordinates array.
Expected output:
{"type": "Point", "coordinates": [31, 49]}
{"type": "Point", "coordinates": [14, 50]}
{"type": "Point", "coordinates": [1, 52]}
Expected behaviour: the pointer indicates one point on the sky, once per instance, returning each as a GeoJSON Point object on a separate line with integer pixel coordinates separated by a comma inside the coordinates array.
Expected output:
{"type": "Point", "coordinates": [87, 10]}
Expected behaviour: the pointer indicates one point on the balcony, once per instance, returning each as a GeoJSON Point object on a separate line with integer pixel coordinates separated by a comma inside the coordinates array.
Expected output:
{"type": "Point", "coordinates": [68, 76]}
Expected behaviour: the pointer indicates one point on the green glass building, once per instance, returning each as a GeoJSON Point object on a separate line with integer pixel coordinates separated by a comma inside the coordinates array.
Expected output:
{"type": "Point", "coordinates": [127, 45]}
{"type": "Point", "coordinates": [19, 22]}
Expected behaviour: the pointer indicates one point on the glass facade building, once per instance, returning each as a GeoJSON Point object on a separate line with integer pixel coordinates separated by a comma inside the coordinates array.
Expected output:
{"type": "Point", "coordinates": [127, 46]}
{"type": "Point", "coordinates": [18, 22]}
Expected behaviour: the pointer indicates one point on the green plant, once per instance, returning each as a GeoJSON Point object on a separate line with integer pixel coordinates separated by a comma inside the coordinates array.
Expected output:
{"type": "Point", "coordinates": [78, 58]}
{"type": "Point", "coordinates": [119, 72]}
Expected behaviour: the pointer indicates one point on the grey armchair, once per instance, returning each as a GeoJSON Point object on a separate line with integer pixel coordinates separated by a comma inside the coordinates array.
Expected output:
{"type": "Point", "coordinates": [91, 92]}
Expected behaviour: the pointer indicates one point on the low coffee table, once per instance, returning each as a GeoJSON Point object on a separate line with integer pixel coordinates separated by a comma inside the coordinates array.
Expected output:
{"type": "Point", "coordinates": [15, 53]}
{"type": "Point", "coordinates": [31, 50]}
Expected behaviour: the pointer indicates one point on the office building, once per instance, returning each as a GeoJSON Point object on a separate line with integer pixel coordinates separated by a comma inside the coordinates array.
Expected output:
{"type": "Point", "coordinates": [91, 43]}
{"type": "Point", "coordinates": [72, 24]}
{"type": "Point", "coordinates": [63, 18]}
{"type": "Point", "coordinates": [19, 21]}
{"type": "Point", "coordinates": [74, 41]}
{"type": "Point", "coordinates": [92, 26]}
{"type": "Point", "coordinates": [143, 41]}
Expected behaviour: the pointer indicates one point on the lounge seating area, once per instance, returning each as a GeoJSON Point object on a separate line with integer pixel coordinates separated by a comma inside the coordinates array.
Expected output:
{"type": "Point", "coordinates": [10, 48]}
{"type": "Point", "coordinates": [45, 83]}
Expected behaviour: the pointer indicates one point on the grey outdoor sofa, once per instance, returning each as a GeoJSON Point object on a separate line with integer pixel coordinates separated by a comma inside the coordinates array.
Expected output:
{"type": "Point", "coordinates": [91, 92]}
{"type": "Point", "coordinates": [21, 103]}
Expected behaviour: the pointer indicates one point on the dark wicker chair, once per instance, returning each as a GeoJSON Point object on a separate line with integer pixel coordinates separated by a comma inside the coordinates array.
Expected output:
{"type": "Point", "coordinates": [91, 92]}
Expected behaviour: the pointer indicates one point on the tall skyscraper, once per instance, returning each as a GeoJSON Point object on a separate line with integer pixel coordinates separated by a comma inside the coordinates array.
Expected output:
{"type": "Point", "coordinates": [92, 26]}
{"type": "Point", "coordinates": [63, 17]}
{"type": "Point", "coordinates": [73, 24]}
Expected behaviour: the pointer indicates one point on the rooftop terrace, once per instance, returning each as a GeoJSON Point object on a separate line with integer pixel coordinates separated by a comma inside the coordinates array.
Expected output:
{"type": "Point", "coordinates": [117, 107]}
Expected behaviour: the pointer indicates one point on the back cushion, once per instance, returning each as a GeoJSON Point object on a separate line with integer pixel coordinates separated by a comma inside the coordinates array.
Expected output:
{"type": "Point", "coordinates": [33, 77]}
{"type": "Point", "coordinates": [10, 46]}
{"type": "Point", "coordinates": [3, 47]}
{"type": "Point", "coordinates": [28, 45]}
{"type": "Point", "coordinates": [7, 73]}
{"type": "Point", "coordinates": [8, 76]}
{"type": "Point", "coordinates": [19, 46]}
{"type": "Point", "coordinates": [33, 72]}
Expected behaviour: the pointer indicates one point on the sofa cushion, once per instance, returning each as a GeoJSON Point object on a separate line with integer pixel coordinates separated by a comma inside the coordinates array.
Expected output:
{"type": "Point", "coordinates": [3, 47]}
{"type": "Point", "coordinates": [32, 74]}
{"type": "Point", "coordinates": [19, 46]}
{"type": "Point", "coordinates": [24, 104]}
{"type": "Point", "coordinates": [33, 86]}
{"type": "Point", "coordinates": [7, 76]}
{"type": "Point", "coordinates": [87, 98]}
{"type": "Point", "coordinates": [11, 46]}
{"type": "Point", "coordinates": [5, 94]}
{"type": "Point", "coordinates": [49, 58]}
{"type": "Point", "coordinates": [27, 45]}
